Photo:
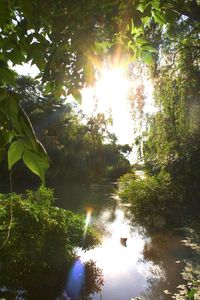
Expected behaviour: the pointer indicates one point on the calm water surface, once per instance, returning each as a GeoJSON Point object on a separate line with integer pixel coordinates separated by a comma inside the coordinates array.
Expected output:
{"type": "Point", "coordinates": [145, 266]}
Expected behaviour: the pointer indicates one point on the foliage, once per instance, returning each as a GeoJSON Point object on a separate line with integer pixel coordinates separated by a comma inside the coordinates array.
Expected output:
{"type": "Point", "coordinates": [168, 197]}
{"type": "Point", "coordinates": [170, 144]}
{"type": "Point", "coordinates": [68, 41]}
{"type": "Point", "coordinates": [38, 242]}
{"type": "Point", "coordinates": [80, 148]}
{"type": "Point", "coordinates": [153, 201]}
{"type": "Point", "coordinates": [18, 136]}
{"type": "Point", "coordinates": [93, 280]}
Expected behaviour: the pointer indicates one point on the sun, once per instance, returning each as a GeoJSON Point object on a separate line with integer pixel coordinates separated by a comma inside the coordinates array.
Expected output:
{"type": "Point", "coordinates": [110, 96]}
{"type": "Point", "coordinates": [112, 90]}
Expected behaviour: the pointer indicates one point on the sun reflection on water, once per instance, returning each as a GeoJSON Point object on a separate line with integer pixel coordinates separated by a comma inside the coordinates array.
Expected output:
{"type": "Point", "coordinates": [123, 266]}
{"type": "Point", "coordinates": [112, 256]}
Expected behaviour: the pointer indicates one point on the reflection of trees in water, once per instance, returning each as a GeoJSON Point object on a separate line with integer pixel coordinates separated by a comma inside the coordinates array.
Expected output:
{"type": "Point", "coordinates": [78, 197]}
{"type": "Point", "coordinates": [93, 280]}
{"type": "Point", "coordinates": [92, 283]}
{"type": "Point", "coordinates": [40, 248]}
{"type": "Point", "coordinates": [164, 250]}
{"type": "Point", "coordinates": [83, 282]}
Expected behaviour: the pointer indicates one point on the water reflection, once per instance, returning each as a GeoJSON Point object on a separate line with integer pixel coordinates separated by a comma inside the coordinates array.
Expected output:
{"type": "Point", "coordinates": [76, 279]}
{"type": "Point", "coordinates": [80, 197]}
{"type": "Point", "coordinates": [144, 266]}
{"type": "Point", "coordinates": [125, 271]}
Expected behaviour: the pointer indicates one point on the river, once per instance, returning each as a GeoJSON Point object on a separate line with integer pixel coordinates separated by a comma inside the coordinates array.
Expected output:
{"type": "Point", "coordinates": [134, 264]}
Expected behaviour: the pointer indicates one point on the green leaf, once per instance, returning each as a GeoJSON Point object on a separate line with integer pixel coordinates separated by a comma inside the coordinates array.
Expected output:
{"type": "Point", "coordinates": [58, 90]}
{"type": "Point", "coordinates": [191, 294]}
{"type": "Point", "coordinates": [48, 88]}
{"type": "Point", "coordinates": [4, 13]}
{"type": "Point", "coordinates": [140, 41]}
{"type": "Point", "coordinates": [11, 107]}
{"type": "Point", "coordinates": [3, 94]}
{"type": "Point", "coordinates": [147, 57]}
{"type": "Point", "coordinates": [35, 163]}
{"type": "Point", "coordinates": [158, 17]}
{"type": "Point", "coordinates": [170, 15]}
{"type": "Point", "coordinates": [27, 8]}
{"type": "Point", "coordinates": [149, 48]}
{"type": "Point", "coordinates": [15, 152]}
{"type": "Point", "coordinates": [146, 21]}
{"type": "Point", "coordinates": [155, 4]}
{"type": "Point", "coordinates": [136, 31]}
{"type": "Point", "coordinates": [36, 53]}
{"type": "Point", "coordinates": [15, 55]}
{"type": "Point", "coordinates": [7, 76]}
{"type": "Point", "coordinates": [141, 7]}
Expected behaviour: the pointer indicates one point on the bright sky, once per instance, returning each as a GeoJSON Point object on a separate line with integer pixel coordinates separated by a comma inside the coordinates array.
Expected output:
{"type": "Point", "coordinates": [27, 69]}
{"type": "Point", "coordinates": [110, 96]}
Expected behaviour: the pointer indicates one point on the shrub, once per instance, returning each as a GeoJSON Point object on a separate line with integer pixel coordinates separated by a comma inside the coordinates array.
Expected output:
{"type": "Point", "coordinates": [38, 242]}
{"type": "Point", "coordinates": [154, 201]}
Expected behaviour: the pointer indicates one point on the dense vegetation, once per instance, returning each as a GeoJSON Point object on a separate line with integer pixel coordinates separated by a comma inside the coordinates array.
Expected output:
{"type": "Point", "coordinates": [69, 41]}
{"type": "Point", "coordinates": [38, 242]}
{"type": "Point", "coordinates": [171, 145]}
{"type": "Point", "coordinates": [168, 195]}
{"type": "Point", "coordinates": [80, 148]}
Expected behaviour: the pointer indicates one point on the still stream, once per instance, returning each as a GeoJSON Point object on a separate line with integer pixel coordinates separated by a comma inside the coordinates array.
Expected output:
{"type": "Point", "coordinates": [133, 264]}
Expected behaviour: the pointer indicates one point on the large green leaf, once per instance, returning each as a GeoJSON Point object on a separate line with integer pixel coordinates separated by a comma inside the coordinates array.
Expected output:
{"type": "Point", "coordinates": [15, 55]}
{"type": "Point", "coordinates": [7, 76]}
{"type": "Point", "coordinates": [36, 53]}
{"type": "Point", "coordinates": [3, 94]}
{"type": "Point", "coordinates": [15, 152]}
{"type": "Point", "coordinates": [35, 163]}
{"type": "Point", "coordinates": [4, 14]}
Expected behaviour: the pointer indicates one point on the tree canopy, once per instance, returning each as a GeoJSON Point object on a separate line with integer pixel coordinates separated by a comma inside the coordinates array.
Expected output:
{"type": "Point", "coordinates": [68, 41]}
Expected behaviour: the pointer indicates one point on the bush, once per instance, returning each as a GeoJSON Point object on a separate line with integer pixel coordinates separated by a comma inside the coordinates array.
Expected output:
{"type": "Point", "coordinates": [154, 201]}
{"type": "Point", "coordinates": [38, 242]}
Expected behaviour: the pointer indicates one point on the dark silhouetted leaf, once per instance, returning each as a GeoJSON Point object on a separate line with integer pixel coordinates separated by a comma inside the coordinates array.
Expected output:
{"type": "Point", "coordinates": [15, 152]}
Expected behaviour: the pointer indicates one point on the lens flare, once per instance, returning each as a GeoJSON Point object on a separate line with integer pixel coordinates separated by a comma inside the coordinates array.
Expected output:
{"type": "Point", "coordinates": [87, 221]}
{"type": "Point", "coordinates": [76, 280]}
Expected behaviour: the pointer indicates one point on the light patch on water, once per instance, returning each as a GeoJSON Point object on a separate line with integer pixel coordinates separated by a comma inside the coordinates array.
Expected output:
{"type": "Point", "coordinates": [123, 266]}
